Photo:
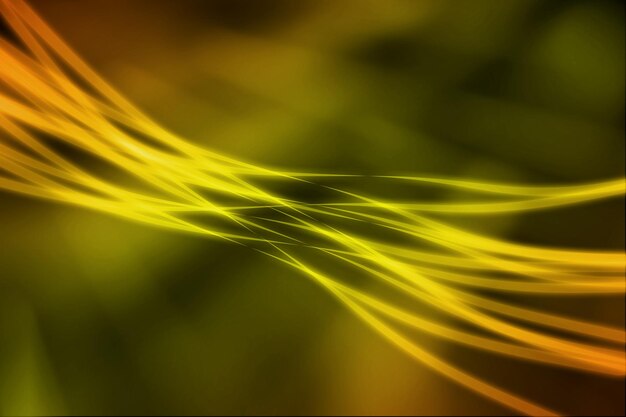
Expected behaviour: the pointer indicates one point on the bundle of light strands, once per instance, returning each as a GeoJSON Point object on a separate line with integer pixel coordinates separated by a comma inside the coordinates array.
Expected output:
{"type": "Point", "coordinates": [396, 265]}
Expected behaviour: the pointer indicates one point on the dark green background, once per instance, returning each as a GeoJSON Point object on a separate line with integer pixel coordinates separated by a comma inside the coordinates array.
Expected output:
{"type": "Point", "coordinates": [99, 315]}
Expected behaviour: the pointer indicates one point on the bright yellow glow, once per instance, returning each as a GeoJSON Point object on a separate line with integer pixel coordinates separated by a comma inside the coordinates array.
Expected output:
{"type": "Point", "coordinates": [39, 95]}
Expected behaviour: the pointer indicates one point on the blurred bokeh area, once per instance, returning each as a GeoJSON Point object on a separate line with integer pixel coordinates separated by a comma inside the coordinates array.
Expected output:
{"type": "Point", "coordinates": [104, 316]}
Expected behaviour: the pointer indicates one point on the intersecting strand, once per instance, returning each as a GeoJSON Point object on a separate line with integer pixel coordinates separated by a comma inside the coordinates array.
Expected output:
{"type": "Point", "coordinates": [42, 104]}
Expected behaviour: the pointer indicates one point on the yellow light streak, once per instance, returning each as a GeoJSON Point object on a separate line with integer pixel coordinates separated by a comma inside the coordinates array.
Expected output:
{"type": "Point", "coordinates": [38, 95]}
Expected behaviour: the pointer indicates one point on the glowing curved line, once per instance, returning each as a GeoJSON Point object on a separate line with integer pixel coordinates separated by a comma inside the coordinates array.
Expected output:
{"type": "Point", "coordinates": [38, 95]}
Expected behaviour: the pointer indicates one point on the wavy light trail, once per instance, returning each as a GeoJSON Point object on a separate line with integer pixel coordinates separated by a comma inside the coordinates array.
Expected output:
{"type": "Point", "coordinates": [397, 260]}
